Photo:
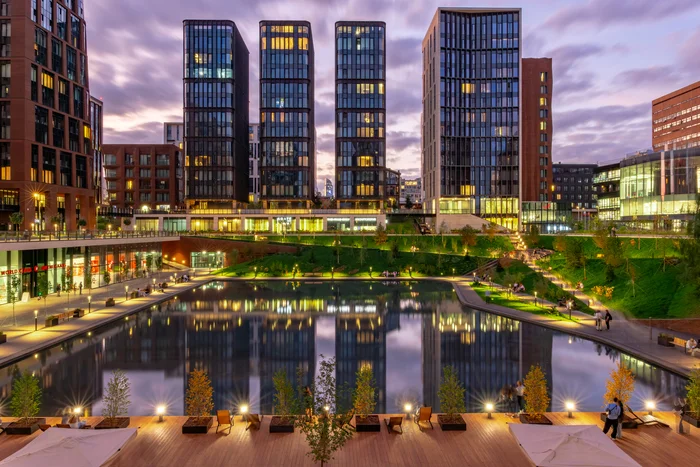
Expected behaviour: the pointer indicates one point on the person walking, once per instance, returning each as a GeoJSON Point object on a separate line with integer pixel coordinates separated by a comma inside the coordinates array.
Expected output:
{"type": "Point", "coordinates": [613, 411]}
{"type": "Point", "coordinates": [81, 288]}
{"type": "Point", "coordinates": [519, 394]}
{"type": "Point", "coordinates": [620, 420]}
{"type": "Point", "coordinates": [608, 318]}
{"type": "Point", "coordinates": [58, 289]}
{"type": "Point", "coordinates": [596, 316]}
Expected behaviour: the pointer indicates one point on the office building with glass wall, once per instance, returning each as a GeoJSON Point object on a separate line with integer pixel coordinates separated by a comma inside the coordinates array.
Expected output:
{"type": "Point", "coordinates": [287, 128]}
{"type": "Point", "coordinates": [606, 185]}
{"type": "Point", "coordinates": [216, 114]}
{"type": "Point", "coordinates": [360, 114]}
{"type": "Point", "coordinates": [254, 163]}
{"type": "Point", "coordinates": [659, 189]}
{"type": "Point", "coordinates": [471, 113]}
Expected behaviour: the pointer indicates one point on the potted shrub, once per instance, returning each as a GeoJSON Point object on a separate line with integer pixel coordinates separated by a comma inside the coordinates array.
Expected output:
{"type": "Point", "coordinates": [324, 428]}
{"type": "Point", "coordinates": [536, 397]}
{"type": "Point", "coordinates": [691, 413]}
{"type": "Point", "coordinates": [109, 302]}
{"type": "Point", "coordinates": [620, 385]}
{"type": "Point", "coordinates": [78, 313]}
{"type": "Point", "coordinates": [199, 403]}
{"type": "Point", "coordinates": [116, 402]}
{"type": "Point", "coordinates": [50, 321]}
{"type": "Point", "coordinates": [451, 395]}
{"type": "Point", "coordinates": [286, 404]}
{"type": "Point", "coordinates": [25, 403]}
{"type": "Point", "coordinates": [364, 401]}
{"type": "Point", "coordinates": [665, 340]}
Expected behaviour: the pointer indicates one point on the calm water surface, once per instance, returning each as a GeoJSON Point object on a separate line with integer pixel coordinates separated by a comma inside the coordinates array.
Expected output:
{"type": "Point", "coordinates": [242, 333]}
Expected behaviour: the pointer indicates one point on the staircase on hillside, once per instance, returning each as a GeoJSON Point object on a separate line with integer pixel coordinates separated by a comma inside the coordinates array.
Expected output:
{"type": "Point", "coordinates": [517, 241]}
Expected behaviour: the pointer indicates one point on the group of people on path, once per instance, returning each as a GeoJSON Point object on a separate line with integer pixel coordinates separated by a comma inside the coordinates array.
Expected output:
{"type": "Point", "coordinates": [512, 399]}
{"type": "Point", "coordinates": [601, 318]}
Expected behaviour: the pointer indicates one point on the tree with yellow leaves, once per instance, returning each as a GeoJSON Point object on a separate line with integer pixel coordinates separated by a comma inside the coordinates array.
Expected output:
{"type": "Point", "coordinates": [620, 384]}
{"type": "Point", "coordinates": [536, 396]}
{"type": "Point", "coordinates": [199, 394]}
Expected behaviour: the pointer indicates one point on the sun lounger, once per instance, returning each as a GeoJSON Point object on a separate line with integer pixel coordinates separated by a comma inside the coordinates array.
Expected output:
{"type": "Point", "coordinates": [223, 417]}
{"type": "Point", "coordinates": [253, 421]}
{"type": "Point", "coordinates": [644, 420]}
{"type": "Point", "coordinates": [394, 422]}
{"type": "Point", "coordinates": [423, 416]}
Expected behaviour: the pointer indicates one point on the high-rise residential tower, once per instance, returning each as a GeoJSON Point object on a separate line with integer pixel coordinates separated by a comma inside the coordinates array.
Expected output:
{"type": "Point", "coordinates": [98, 174]}
{"type": "Point", "coordinates": [536, 160]}
{"type": "Point", "coordinates": [287, 131]}
{"type": "Point", "coordinates": [254, 163]}
{"type": "Point", "coordinates": [360, 114]}
{"type": "Point", "coordinates": [471, 113]}
{"type": "Point", "coordinates": [216, 114]}
{"type": "Point", "coordinates": [45, 134]}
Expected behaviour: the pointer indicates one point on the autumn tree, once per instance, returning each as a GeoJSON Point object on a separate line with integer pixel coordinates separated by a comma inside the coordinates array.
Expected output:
{"type": "Point", "coordinates": [469, 238]}
{"type": "Point", "coordinates": [620, 384]}
{"type": "Point", "coordinates": [199, 400]}
{"type": "Point", "coordinates": [532, 239]}
{"type": "Point", "coordinates": [380, 235]}
{"type": "Point", "coordinates": [536, 395]}
{"type": "Point", "coordinates": [560, 243]}
{"type": "Point", "coordinates": [573, 252]}
{"type": "Point", "coordinates": [614, 256]}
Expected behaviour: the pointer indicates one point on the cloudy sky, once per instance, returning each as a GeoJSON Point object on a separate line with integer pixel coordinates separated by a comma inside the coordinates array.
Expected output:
{"type": "Point", "coordinates": [611, 58]}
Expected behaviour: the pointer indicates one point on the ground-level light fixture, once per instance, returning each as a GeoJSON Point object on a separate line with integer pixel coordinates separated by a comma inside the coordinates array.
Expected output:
{"type": "Point", "coordinates": [243, 409]}
{"type": "Point", "coordinates": [489, 408]}
{"type": "Point", "coordinates": [89, 303]}
{"type": "Point", "coordinates": [327, 408]}
{"type": "Point", "coordinates": [650, 406]}
{"type": "Point", "coordinates": [126, 292]}
{"type": "Point", "coordinates": [160, 411]}
{"type": "Point", "coordinates": [36, 319]}
{"type": "Point", "coordinates": [570, 407]}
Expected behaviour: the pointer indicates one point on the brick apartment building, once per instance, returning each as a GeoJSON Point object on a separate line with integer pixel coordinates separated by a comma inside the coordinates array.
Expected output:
{"type": "Point", "coordinates": [45, 134]}
{"type": "Point", "coordinates": [676, 119]}
{"type": "Point", "coordinates": [144, 176]}
{"type": "Point", "coordinates": [536, 160]}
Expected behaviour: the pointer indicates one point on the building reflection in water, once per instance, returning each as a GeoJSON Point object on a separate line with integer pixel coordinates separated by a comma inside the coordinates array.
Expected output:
{"type": "Point", "coordinates": [243, 333]}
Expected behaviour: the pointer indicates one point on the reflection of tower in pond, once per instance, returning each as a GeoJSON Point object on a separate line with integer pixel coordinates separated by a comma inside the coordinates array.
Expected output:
{"type": "Point", "coordinates": [220, 344]}
{"type": "Point", "coordinates": [285, 344]}
{"type": "Point", "coordinates": [536, 343]}
{"type": "Point", "coordinates": [482, 348]}
{"type": "Point", "coordinates": [361, 340]}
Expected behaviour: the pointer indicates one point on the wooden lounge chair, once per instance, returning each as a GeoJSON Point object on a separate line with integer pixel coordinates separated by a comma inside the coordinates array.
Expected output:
{"type": "Point", "coordinates": [223, 417]}
{"type": "Point", "coordinates": [345, 421]}
{"type": "Point", "coordinates": [392, 423]}
{"type": "Point", "coordinates": [644, 420]}
{"type": "Point", "coordinates": [423, 416]}
{"type": "Point", "coordinates": [253, 420]}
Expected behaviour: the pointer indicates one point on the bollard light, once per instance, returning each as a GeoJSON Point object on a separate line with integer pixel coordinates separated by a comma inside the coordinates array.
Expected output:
{"type": "Point", "coordinates": [160, 411]}
{"type": "Point", "coordinates": [36, 319]}
{"type": "Point", "coordinates": [650, 406]}
{"type": "Point", "coordinates": [89, 304]}
{"type": "Point", "coordinates": [77, 410]}
{"type": "Point", "coordinates": [327, 408]}
{"type": "Point", "coordinates": [243, 409]}
{"type": "Point", "coordinates": [570, 407]}
{"type": "Point", "coordinates": [126, 292]}
{"type": "Point", "coordinates": [489, 408]}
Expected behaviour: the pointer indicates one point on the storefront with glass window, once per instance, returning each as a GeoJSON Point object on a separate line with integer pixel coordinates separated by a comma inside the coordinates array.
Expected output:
{"type": "Point", "coordinates": [40, 272]}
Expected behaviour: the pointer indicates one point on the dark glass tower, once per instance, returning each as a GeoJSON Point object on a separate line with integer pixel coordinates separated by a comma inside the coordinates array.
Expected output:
{"type": "Point", "coordinates": [360, 111]}
{"type": "Point", "coordinates": [287, 143]}
{"type": "Point", "coordinates": [471, 113]}
{"type": "Point", "coordinates": [216, 114]}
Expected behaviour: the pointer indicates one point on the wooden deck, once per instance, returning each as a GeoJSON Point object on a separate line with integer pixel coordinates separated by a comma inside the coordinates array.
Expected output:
{"type": "Point", "coordinates": [486, 442]}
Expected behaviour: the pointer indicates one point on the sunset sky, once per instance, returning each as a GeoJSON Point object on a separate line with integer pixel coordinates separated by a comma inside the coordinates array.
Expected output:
{"type": "Point", "coordinates": [611, 58]}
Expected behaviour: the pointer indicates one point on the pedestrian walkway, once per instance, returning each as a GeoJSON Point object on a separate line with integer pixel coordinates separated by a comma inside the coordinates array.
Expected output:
{"type": "Point", "coordinates": [629, 337]}
{"type": "Point", "coordinates": [29, 337]}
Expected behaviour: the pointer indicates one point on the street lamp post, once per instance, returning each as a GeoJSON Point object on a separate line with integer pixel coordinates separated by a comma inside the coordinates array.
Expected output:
{"type": "Point", "coordinates": [535, 298]}
{"type": "Point", "coordinates": [36, 319]}
{"type": "Point", "coordinates": [126, 292]}
{"type": "Point", "coordinates": [89, 304]}
{"type": "Point", "coordinates": [370, 272]}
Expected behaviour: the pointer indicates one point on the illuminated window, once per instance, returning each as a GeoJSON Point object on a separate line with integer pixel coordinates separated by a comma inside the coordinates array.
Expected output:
{"type": "Point", "coordinates": [543, 126]}
{"type": "Point", "coordinates": [543, 101]}
{"type": "Point", "coordinates": [543, 76]}
{"type": "Point", "coordinates": [86, 131]}
{"type": "Point", "coordinates": [365, 161]}
{"type": "Point", "coordinates": [365, 88]}
{"type": "Point", "coordinates": [129, 185]}
{"type": "Point", "coordinates": [381, 88]}
{"type": "Point", "coordinates": [263, 43]}
{"type": "Point", "coordinates": [303, 43]}
{"type": "Point", "coordinates": [468, 88]}
{"type": "Point", "coordinates": [466, 190]}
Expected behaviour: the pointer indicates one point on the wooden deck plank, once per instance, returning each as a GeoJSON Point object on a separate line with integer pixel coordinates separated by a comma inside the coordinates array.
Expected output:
{"type": "Point", "coordinates": [486, 442]}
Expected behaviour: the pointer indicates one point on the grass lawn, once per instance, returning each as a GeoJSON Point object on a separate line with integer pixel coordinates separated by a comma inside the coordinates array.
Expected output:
{"type": "Point", "coordinates": [501, 298]}
{"type": "Point", "coordinates": [634, 247]}
{"type": "Point", "coordinates": [519, 272]}
{"type": "Point", "coordinates": [351, 262]}
{"type": "Point", "coordinates": [445, 244]}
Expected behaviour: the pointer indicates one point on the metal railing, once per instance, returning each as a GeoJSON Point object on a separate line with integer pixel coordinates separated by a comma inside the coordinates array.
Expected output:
{"type": "Point", "coordinates": [7, 237]}
{"type": "Point", "coordinates": [276, 212]}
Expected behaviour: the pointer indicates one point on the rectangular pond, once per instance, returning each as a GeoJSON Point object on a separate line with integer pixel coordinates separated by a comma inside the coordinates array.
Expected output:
{"type": "Point", "coordinates": [242, 333]}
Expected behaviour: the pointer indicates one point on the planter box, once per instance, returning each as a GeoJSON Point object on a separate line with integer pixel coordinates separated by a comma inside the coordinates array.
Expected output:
{"type": "Point", "coordinates": [367, 425]}
{"type": "Point", "coordinates": [627, 423]}
{"type": "Point", "coordinates": [532, 420]}
{"type": "Point", "coordinates": [690, 418]}
{"type": "Point", "coordinates": [51, 321]}
{"type": "Point", "coordinates": [110, 424]}
{"type": "Point", "coordinates": [197, 425]}
{"type": "Point", "coordinates": [452, 424]}
{"type": "Point", "coordinates": [281, 424]}
{"type": "Point", "coordinates": [109, 302]}
{"type": "Point", "coordinates": [78, 313]}
{"type": "Point", "coordinates": [664, 341]}
{"type": "Point", "coordinates": [15, 428]}
{"type": "Point", "coordinates": [3, 338]}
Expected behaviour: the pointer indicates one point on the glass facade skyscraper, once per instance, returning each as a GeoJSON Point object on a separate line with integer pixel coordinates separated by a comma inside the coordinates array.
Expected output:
{"type": "Point", "coordinates": [287, 142]}
{"type": "Point", "coordinates": [471, 113]}
{"type": "Point", "coordinates": [360, 116]}
{"type": "Point", "coordinates": [216, 114]}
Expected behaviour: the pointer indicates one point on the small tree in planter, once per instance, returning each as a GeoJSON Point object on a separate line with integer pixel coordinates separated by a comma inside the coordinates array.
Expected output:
{"type": "Point", "coordinates": [325, 430]}
{"type": "Point", "coordinates": [199, 403]}
{"type": "Point", "coordinates": [116, 402]}
{"type": "Point", "coordinates": [106, 278]}
{"type": "Point", "coordinates": [692, 413]}
{"type": "Point", "coordinates": [25, 403]}
{"type": "Point", "coordinates": [364, 400]}
{"type": "Point", "coordinates": [14, 292]}
{"type": "Point", "coordinates": [620, 385]}
{"type": "Point", "coordinates": [127, 222]}
{"type": "Point", "coordinates": [16, 218]}
{"type": "Point", "coordinates": [536, 397]}
{"type": "Point", "coordinates": [82, 223]}
{"type": "Point", "coordinates": [286, 404]}
{"type": "Point", "coordinates": [451, 395]}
